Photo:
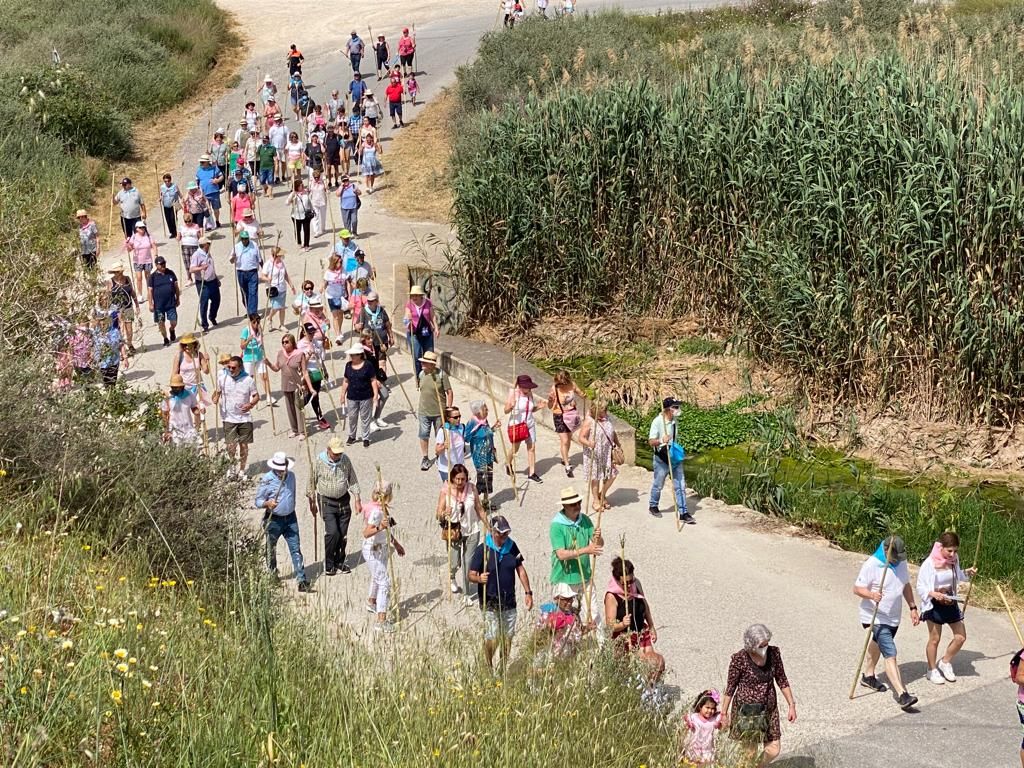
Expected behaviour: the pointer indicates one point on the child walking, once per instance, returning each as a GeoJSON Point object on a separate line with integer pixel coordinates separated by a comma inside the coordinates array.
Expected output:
{"type": "Point", "coordinates": [376, 553]}
{"type": "Point", "coordinates": [702, 725]}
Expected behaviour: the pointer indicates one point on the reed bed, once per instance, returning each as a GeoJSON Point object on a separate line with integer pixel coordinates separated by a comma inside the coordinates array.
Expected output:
{"type": "Point", "coordinates": [850, 210]}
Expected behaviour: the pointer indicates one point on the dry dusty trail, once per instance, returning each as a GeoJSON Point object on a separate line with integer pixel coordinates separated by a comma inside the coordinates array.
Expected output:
{"type": "Point", "coordinates": [705, 584]}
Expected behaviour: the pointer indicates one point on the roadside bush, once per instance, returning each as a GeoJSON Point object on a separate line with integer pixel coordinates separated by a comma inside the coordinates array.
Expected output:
{"type": "Point", "coordinates": [67, 105]}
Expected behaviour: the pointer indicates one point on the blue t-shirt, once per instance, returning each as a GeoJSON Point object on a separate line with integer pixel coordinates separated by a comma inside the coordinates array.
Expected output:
{"type": "Point", "coordinates": [349, 198]}
{"type": "Point", "coordinates": [358, 89]}
{"type": "Point", "coordinates": [205, 177]}
{"type": "Point", "coordinates": [163, 289]}
{"type": "Point", "coordinates": [502, 565]}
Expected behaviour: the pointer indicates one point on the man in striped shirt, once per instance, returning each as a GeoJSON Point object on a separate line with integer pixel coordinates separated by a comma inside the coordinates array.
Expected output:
{"type": "Point", "coordinates": [332, 488]}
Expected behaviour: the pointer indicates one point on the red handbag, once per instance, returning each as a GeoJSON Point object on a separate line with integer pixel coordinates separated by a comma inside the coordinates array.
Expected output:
{"type": "Point", "coordinates": [518, 433]}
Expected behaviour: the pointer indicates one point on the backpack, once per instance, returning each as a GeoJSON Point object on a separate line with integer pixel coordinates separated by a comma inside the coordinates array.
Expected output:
{"type": "Point", "coordinates": [1015, 664]}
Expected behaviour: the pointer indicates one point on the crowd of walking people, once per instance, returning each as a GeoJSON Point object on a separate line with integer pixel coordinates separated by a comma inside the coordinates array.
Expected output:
{"type": "Point", "coordinates": [328, 156]}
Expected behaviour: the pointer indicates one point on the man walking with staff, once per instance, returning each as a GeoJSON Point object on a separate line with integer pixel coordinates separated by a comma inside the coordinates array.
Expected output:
{"type": "Point", "coordinates": [276, 497]}
{"type": "Point", "coordinates": [667, 460]}
{"type": "Point", "coordinates": [882, 584]}
{"type": "Point", "coordinates": [332, 491]}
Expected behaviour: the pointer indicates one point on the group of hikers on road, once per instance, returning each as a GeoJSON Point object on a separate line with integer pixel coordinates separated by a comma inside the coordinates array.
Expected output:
{"type": "Point", "coordinates": [340, 311]}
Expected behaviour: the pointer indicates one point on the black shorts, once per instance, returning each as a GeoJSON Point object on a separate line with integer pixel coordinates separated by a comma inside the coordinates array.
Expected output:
{"type": "Point", "coordinates": [943, 614]}
{"type": "Point", "coordinates": [406, 59]}
{"type": "Point", "coordinates": [395, 108]}
{"type": "Point", "coordinates": [485, 479]}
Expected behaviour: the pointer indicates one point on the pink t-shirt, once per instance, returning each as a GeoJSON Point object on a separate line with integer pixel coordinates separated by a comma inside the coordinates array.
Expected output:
{"type": "Point", "coordinates": [141, 247]}
{"type": "Point", "coordinates": [701, 746]}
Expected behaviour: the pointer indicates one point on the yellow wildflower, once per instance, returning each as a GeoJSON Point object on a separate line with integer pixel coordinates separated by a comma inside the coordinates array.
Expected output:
{"type": "Point", "coordinates": [121, 653]}
{"type": "Point", "coordinates": [122, 668]}
{"type": "Point", "coordinates": [115, 696]}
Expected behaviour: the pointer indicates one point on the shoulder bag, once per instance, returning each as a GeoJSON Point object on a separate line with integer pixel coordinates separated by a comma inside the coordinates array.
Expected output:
{"type": "Point", "coordinates": [520, 432]}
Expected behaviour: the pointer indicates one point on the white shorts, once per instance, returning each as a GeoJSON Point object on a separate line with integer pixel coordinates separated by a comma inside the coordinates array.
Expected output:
{"type": "Point", "coordinates": [252, 367]}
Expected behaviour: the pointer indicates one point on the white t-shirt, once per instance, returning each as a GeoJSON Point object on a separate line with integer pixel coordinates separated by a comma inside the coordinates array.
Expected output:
{"type": "Point", "coordinates": [456, 447]}
{"type": "Point", "coordinates": [374, 515]}
{"type": "Point", "coordinates": [276, 272]}
{"type": "Point", "coordinates": [335, 280]}
{"type": "Point", "coordinates": [234, 393]}
{"type": "Point", "coordinates": [181, 420]}
{"type": "Point", "coordinates": [278, 136]}
{"type": "Point", "coordinates": [891, 607]}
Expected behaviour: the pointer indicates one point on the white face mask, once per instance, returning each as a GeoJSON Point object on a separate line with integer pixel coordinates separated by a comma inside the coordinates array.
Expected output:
{"type": "Point", "coordinates": [760, 652]}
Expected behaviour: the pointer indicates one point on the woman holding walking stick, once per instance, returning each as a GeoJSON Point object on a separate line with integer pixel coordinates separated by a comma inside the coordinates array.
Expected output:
{"type": "Point", "coordinates": [601, 449]}
{"type": "Point", "coordinates": [938, 584]}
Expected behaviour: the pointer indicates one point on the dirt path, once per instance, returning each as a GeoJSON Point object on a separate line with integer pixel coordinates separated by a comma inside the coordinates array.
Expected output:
{"type": "Point", "coordinates": [705, 584]}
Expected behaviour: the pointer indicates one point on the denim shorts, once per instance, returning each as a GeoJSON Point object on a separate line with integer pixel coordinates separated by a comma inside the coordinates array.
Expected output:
{"type": "Point", "coordinates": [170, 315]}
{"type": "Point", "coordinates": [885, 637]}
{"type": "Point", "coordinates": [266, 176]}
{"type": "Point", "coordinates": [501, 623]}
{"type": "Point", "coordinates": [214, 202]}
{"type": "Point", "coordinates": [426, 422]}
{"type": "Point", "coordinates": [337, 305]}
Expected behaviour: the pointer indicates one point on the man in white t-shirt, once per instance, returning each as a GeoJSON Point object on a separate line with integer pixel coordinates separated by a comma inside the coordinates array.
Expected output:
{"type": "Point", "coordinates": [882, 584]}
{"type": "Point", "coordinates": [278, 133]}
{"type": "Point", "coordinates": [180, 414]}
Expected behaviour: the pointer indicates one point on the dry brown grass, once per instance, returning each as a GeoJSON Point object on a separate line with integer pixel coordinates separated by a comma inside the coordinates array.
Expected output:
{"type": "Point", "coordinates": [418, 155]}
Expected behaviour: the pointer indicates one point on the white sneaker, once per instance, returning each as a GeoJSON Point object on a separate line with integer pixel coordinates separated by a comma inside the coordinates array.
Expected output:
{"type": "Point", "coordinates": [384, 626]}
{"type": "Point", "coordinates": [374, 427]}
{"type": "Point", "coordinates": [339, 341]}
{"type": "Point", "coordinates": [380, 423]}
{"type": "Point", "coordinates": [371, 608]}
{"type": "Point", "coordinates": [947, 671]}
{"type": "Point", "coordinates": [469, 601]}
{"type": "Point", "coordinates": [934, 676]}
{"type": "Point", "coordinates": [455, 588]}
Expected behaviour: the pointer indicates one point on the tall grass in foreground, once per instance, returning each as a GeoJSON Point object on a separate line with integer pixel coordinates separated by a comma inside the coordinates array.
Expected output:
{"type": "Point", "coordinates": [104, 662]}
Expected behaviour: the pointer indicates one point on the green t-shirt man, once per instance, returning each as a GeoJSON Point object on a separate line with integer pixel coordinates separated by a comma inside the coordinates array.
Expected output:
{"type": "Point", "coordinates": [568, 534]}
{"type": "Point", "coordinates": [433, 389]}
{"type": "Point", "coordinates": [266, 154]}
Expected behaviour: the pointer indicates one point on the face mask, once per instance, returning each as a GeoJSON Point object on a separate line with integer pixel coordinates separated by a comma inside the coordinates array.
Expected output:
{"type": "Point", "coordinates": [760, 652]}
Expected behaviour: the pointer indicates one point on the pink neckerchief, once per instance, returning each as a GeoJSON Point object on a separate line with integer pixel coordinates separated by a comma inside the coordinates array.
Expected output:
{"type": "Point", "coordinates": [939, 560]}
{"type": "Point", "coordinates": [635, 590]}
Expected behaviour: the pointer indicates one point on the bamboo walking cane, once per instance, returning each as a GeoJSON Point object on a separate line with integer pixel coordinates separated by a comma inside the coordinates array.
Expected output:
{"type": "Point", "coordinates": [501, 434]}
{"type": "Point", "coordinates": [386, 515]}
{"type": "Point", "coordinates": [671, 479]}
{"type": "Point", "coordinates": [583, 582]}
{"type": "Point", "coordinates": [387, 359]}
{"type": "Point", "coordinates": [216, 406]}
{"type": "Point", "coordinates": [235, 266]}
{"type": "Point", "coordinates": [301, 412]}
{"type": "Point", "coordinates": [871, 626]}
{"type": "Point", "coordinates": [110, 218]}
{"type": "Point", "coordinates": [1009, 612]}
{"type": "Point", "coordinates": [163, 216]}
{"type": "Point", "coordinates": [438, 383]}
{"type": "Point", "coordinates": [977, 551]}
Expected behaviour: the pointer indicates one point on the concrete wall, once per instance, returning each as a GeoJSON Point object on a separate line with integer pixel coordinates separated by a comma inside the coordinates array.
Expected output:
{"type": "Point", "coordinates": [467, 360]}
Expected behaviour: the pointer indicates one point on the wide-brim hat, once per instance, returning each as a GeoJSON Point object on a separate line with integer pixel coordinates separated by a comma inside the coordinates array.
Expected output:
{"type": "Point", "coordinates": [223, 358]}
{"type": "Point", "coordinates": [356, 349]}
{"type": "Point", "coordinates": [317, 302]}
{"type": "Point", "coordinates": [280, 461]}
{"type": "Point", "coordinates": [563, 590]}
{"type": "Point", "coordinates": [177, 380]}
{"type": "Point", "coordinates": [204, 159]}
{"type": "Point", "coordinates": [569, 496]}
{"type": "Point", "coordinates": [187, 339]}
{"type": "Point", "coordinates": [429, 357]}
{"type": "Point", "coordinates": [335, 445]}
{"type": "Point", "coordinates": [523, 381]}
{"type": "Point", "coordinates": [80, 213]}
{"type": "Point", "coordinates": [115, 268]}
{"type": "Point", "coordinates": [417, 290]}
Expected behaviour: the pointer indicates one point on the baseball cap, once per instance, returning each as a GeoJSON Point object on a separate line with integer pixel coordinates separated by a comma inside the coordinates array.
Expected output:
{"type": "Point", "coordinates": [499, 524]}
{"type": "Point", "coordinates": [126, 180]}
{"type": "Point", "coordinates": [244, 234]}
{"type": "Point", "coordinates": [159, 260]}
{"type": "Point", "coordinates": [670, 402]}
{"type": "Point", "coordinates": [894, 547]}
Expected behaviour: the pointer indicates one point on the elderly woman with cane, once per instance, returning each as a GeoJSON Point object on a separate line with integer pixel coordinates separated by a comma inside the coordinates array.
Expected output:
{"type": "Point", "coordinates": [753, 674]}
{"type": "Point", "coordinates": [938, 584]}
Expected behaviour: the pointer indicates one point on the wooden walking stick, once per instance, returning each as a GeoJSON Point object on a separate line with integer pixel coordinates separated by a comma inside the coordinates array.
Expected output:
{"type": "Point", "coordinates": [501, 434]}
{"type": "Point", "coordinates": [297, 402]}
{"type": "Point", "coordinates": [110, 218]}
{"type": "Point", "coordinates": [387, 359]}
{"type": "Point", "coordinates": [437, 383]}
{"type": "Point", "coordinates": [977, 551]}
{"type": "Point", "coordinates": [583, 582]}
{"type": "Point", "coordinates": [671, 478]}
{"type": "Point", "coordinates": [386, 515]}
{"type": "Point", "coordinates": [874, 615]}
{"type": "Point", "coordinates": [163, 216]}
{"type": "Point", "coordinates": [1009, 612]}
